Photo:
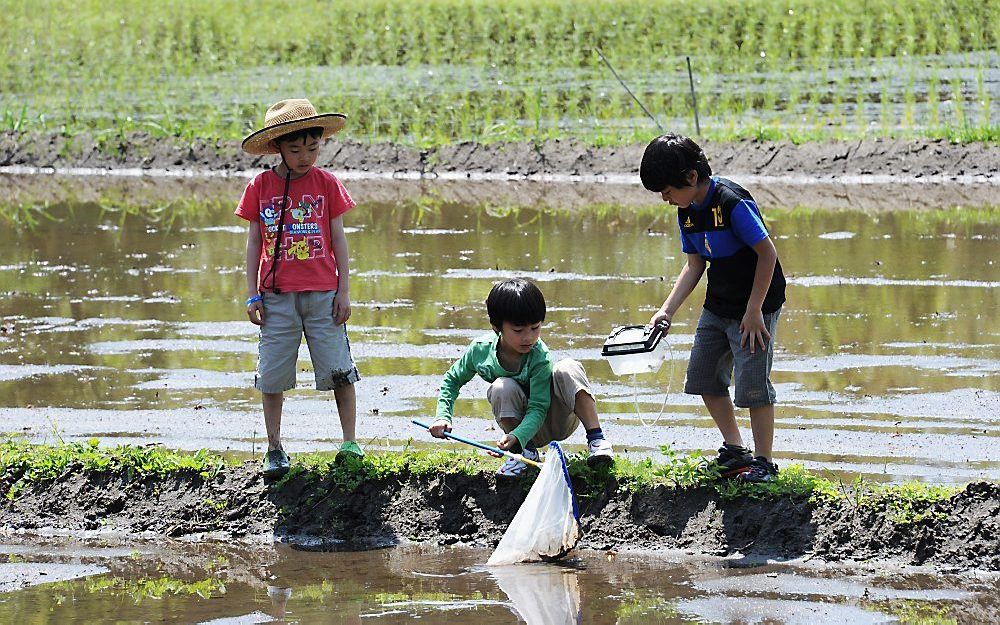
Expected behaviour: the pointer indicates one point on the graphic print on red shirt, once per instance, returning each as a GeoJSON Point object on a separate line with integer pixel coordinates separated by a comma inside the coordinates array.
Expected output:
{"type": "Point", "coordinates": [307, 260]}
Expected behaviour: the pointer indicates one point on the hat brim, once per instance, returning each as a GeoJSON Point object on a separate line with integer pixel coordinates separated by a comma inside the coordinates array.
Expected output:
{"type": "Point", "coordinates": [259, 143]}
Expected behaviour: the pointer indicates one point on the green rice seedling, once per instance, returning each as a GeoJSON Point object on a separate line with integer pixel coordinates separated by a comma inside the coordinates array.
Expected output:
{"type": "Point", "coordinates": [172, 62]}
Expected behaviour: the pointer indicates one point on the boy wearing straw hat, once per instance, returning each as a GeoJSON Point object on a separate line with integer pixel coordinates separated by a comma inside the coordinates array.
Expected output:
{"type": "Point", "coordinates": [297, 269]}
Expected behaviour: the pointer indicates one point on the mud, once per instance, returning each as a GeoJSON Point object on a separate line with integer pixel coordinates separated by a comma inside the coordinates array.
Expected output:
{"type": "Point", "coordinates": [314, 512]}
{"type": "Point", "coordinates": [875, 173]}
{"type": "Point", "coordinates": [18, 575]}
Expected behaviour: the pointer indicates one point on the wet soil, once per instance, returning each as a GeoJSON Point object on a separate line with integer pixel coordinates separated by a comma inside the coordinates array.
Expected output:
{"type": "Point", "coordinates": [311, 510]}
{"type": "Point", "coordinates": [918, 157]}
{"type": "Point", "coordinates": [18, 575]}
{"type": "Point", "coordinates": [880, 173]}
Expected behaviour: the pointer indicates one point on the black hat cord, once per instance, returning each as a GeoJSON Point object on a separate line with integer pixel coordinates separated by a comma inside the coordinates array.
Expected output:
{"type": "Point", "coordinates": [285, 200]}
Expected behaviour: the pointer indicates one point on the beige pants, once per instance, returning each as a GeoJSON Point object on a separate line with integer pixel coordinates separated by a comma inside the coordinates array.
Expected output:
{"type": "Point", "coordinates": [509, 401]}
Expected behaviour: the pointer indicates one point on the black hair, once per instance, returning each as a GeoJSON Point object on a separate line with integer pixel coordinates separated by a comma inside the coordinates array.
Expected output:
{"type": "Point", "coordinates": [316, 132]}
{"type": "Point", "coordinates": [667, 160]}
{"type": "Point", "coordinates": [517, 301]}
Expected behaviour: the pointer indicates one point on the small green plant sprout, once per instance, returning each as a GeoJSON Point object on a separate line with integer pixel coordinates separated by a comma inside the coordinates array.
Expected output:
{"type": "Point", "coordinates": [217, 506]}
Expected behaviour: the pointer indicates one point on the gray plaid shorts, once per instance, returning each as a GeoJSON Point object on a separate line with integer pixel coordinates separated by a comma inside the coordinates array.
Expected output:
{"type": "Point", "coordinates": [716, 353]}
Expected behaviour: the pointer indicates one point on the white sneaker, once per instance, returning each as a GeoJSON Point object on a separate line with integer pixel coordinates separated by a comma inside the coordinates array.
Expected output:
{"type": "Point", "coordinates": [601, 453]}
{"type": "Point", "coordinates": [514, 468]}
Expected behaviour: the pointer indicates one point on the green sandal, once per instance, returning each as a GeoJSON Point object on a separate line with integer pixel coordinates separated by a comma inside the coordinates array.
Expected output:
{"type": "Point", "coordinates": [276, 463]}
{"type": "Point", "coordinates": [350, 448]}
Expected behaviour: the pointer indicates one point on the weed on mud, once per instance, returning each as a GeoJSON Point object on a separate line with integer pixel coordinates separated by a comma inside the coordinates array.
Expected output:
{"type": "Point", "coordinates": [22, 464]}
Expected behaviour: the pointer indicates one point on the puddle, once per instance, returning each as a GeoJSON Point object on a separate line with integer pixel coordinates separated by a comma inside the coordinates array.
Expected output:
{"type": "Point", "coordinates": [217, 583]}
{"type": "Point", "coordinates": [123, 323]}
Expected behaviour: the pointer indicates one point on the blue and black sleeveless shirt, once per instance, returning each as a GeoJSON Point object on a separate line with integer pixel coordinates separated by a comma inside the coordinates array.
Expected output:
{"type": "Point", "coordinates": [723, 230]}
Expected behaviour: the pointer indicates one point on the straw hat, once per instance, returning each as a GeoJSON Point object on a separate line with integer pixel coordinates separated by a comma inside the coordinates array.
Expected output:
{"type": "Point", "coordinates": [288, 116]}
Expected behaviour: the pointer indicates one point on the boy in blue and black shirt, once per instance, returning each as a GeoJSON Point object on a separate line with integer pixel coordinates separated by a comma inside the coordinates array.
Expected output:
{"type": "Point", "coordinates": [722, 228]}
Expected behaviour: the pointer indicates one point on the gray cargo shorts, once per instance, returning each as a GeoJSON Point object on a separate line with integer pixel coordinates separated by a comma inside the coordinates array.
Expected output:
{"type": "Point", "coordinates": [717, 352]}
{"type": "Point", "coordinates": [287, 316]}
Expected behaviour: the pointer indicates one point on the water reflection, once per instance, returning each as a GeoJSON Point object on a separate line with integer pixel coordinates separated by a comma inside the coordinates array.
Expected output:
{"type": "Point", "coordinates": [542, 594]}
{"type": "Point", "coordinates": [218, 583]}
{"type": "Point", "coordinates": [123, 319]}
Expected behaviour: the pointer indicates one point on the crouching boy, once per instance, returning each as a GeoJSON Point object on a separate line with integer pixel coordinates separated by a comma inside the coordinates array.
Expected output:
{"type": "Point", "coordinates": [534, 401]}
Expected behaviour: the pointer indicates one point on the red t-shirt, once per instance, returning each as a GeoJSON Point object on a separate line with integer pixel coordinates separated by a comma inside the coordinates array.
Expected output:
{"type": "Point", "coordinates": [307, 262]}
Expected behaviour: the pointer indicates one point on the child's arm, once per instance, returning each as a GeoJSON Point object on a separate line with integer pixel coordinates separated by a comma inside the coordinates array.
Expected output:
{"type": "Point", "coordinates": [752, 326]}
{"type": "Point", "coordinates": [457, 376]}
{"type": "Point", "coordinates": [685, 283]}
{"type": "Point", "coordinates": [539, 398]}
{"type": "Point", "coordinates": [255, 310]}
{"type": "Point", "coordinates": [342, 301]}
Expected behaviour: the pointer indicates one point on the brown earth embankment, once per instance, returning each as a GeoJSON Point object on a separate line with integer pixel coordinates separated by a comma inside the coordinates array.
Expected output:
{"type": "Point", "coordinates": [959, 533]}
{"type": "Point", "coordinates": [872, 174]}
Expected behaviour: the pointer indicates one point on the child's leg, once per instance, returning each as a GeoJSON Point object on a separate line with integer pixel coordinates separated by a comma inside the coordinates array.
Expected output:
{"type": "Point", "coordinates": [508, 425]}
{"type": "Point", "coordinates": [762, 423]}
{"type": "Point", "coordinates": [347, 407]}
{"type": "Point", "coordinates": [272, 418]}
{"type": "Point", "coordinates": [724, 414]}
{"type": "Point", "coordinates": [754, 389]}
{"type": "Point", "coordinates": [573, 403]}
{"type": "Point", "coordinates": [586, 410]}
{"type": "Point", "coordinates": [330, 352]}
{"type": "Point", "coordinates": [709, 372]}
{"type": "Point", "coordinates": [278, 351]}
{"type": "Point", "coordinates": [509, 403]}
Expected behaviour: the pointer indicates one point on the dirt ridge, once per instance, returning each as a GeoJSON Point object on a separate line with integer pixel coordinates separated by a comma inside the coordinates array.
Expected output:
{"type": "Point", "coordinates": [872, 175]}
{"type": "Point", "coordinates": [312, 510]}
{"type": "Point", "coordinates": [831, 159]}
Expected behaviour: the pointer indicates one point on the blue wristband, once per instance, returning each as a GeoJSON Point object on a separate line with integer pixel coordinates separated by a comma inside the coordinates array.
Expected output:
{"type": "Point", "coordinates": [255, 298]}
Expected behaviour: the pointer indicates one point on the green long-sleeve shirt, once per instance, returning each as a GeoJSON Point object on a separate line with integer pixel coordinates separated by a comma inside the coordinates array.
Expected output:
{"type": "Point", "coordinates": [535, 377]}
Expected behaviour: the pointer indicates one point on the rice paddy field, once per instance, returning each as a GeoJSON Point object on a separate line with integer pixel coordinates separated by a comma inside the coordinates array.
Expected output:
{"type": "Point", "coordinates": [442, 71]}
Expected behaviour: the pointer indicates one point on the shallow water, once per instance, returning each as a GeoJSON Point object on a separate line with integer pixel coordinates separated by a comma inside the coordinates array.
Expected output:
{"type": "Point", "coordinates": [126, 323]}
{"type": "Point", "coordinates": [213, 583]}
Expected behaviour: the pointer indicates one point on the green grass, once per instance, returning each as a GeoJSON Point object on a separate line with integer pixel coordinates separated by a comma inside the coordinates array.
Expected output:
{"type": "Point", "coordinates": [440, 71]}
{"type": "Point", "coordinates": [22, 464]}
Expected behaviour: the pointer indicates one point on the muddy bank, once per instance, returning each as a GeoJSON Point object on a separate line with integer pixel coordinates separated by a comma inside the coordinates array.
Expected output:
{"type": "Point", "coordinates": [917, 158]}
{"type": "Point", "coordinates": [324, 511]}
{"type": "Point", "coordinates": [18, 575]}
{"type": "Point", "coordinates": [876, 173]}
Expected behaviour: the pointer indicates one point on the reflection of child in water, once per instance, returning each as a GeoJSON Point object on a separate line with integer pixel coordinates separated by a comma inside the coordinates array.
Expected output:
{"type": "Point", "coordinates": [279, 597]}
{"type": "Point", "coordinates": [346, 612]}
{"type": "Point", "coordinates": [541, 593]}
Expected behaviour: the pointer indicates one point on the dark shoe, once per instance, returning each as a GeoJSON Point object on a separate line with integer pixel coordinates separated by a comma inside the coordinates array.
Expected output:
{"type": "Point", "coordinates": [761, 470]}
{"type": "Point", "coordinates": [732, 460]}
{"type": "Point", "coordinates": [276, 463]}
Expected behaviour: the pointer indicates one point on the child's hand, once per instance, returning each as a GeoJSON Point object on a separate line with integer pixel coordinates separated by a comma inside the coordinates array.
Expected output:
{"type": "Point", "coordinates": [752, 327]}
{"type": "Point", "coordinates": [255, 310]}
{"type": "Point", "coordinates": [341, 308]}
{"type": "Point", "coordinates": [506, 441]}
{"type": "Point", "coordinates": [662, 318]}
{"type": "Point", "coordinates": [439, 427]}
